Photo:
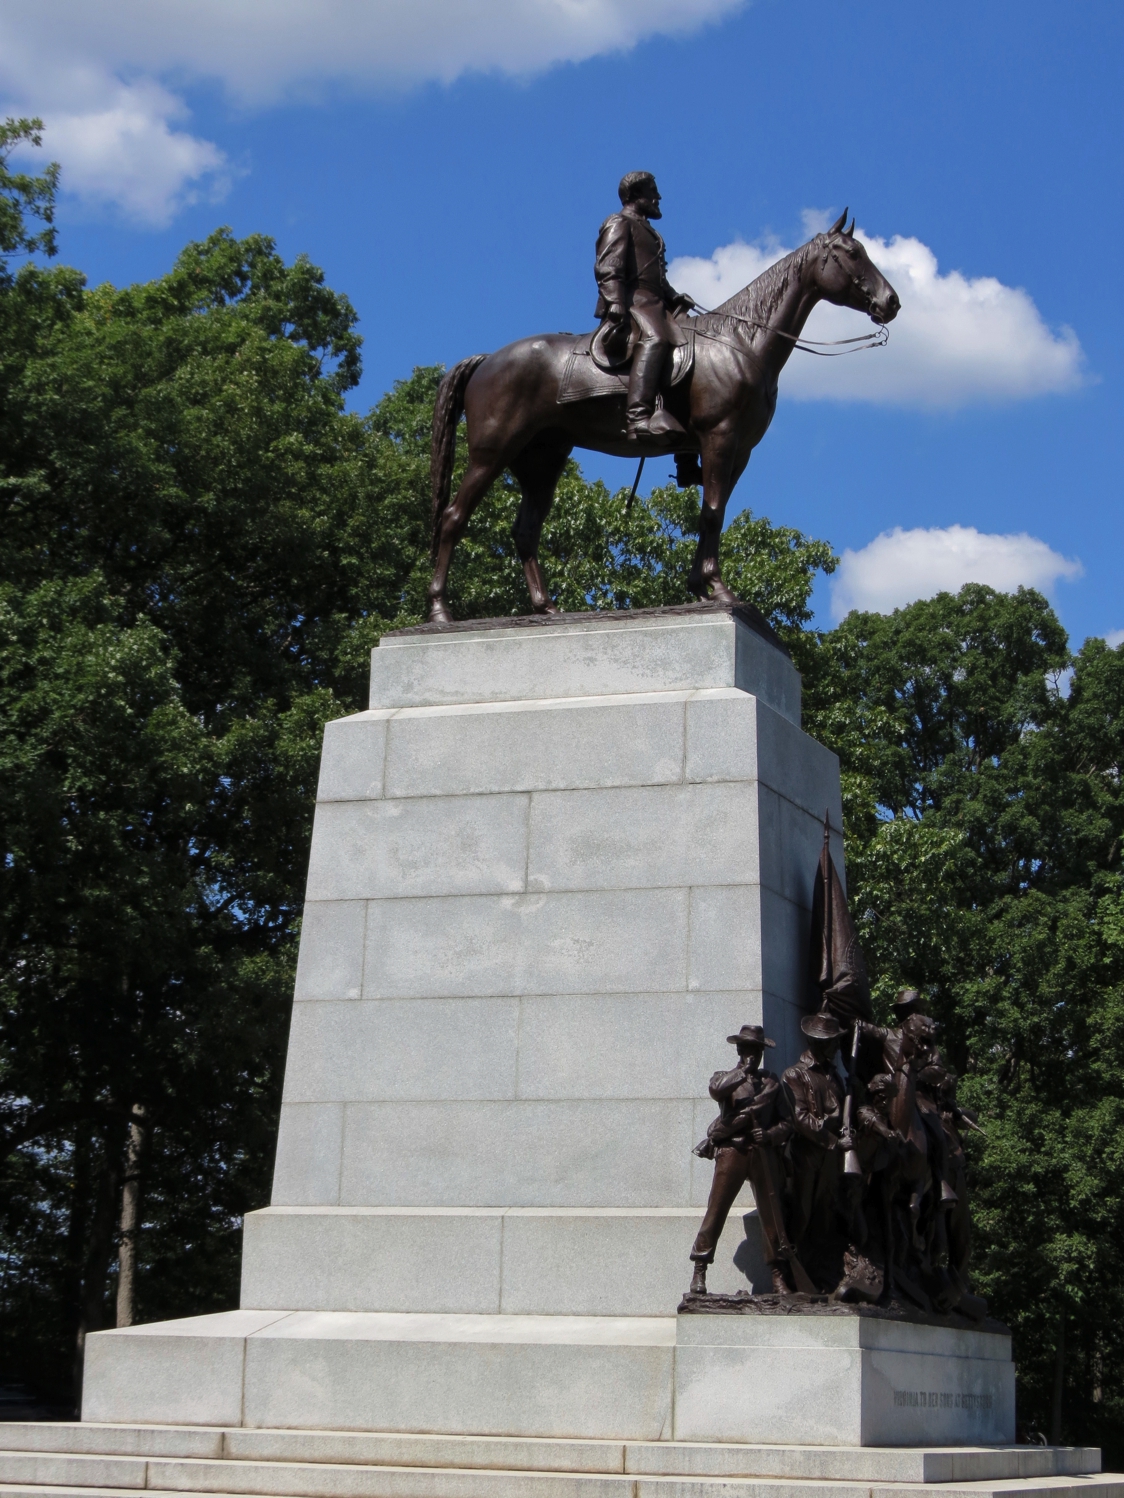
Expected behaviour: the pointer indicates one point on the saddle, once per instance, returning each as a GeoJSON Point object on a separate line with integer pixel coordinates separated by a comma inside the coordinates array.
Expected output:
{"type": "Point", "coordinates": [591, 370]}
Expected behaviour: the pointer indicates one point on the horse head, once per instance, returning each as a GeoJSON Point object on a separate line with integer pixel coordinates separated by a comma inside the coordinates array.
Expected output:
{"type": "Point", "coordinates": [846, 275]}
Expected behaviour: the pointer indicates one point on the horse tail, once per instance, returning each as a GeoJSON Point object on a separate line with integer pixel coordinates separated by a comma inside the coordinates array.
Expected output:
{"type": "Point", "coordinates": [446, 415]}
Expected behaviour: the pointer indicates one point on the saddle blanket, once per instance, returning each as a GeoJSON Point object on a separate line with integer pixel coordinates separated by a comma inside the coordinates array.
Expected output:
{"type": "Point", "coordinates": [583, 380]}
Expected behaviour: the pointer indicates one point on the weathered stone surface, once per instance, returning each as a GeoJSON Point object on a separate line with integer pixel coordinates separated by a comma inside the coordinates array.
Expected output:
{"type": "Point", "coordinates": [841, 1379]}
{"type": "Point", "coordinates": [552, 868]}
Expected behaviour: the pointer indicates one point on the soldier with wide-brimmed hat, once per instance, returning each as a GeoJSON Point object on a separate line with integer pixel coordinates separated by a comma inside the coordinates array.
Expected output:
{"type": "Point", "coordinates": [742, 1142]}
{"type": "Point", "coordinates": [815, 1096]}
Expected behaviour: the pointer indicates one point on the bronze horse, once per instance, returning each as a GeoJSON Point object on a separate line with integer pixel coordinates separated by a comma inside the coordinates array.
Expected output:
{"type": "Point", "coordinates": [515, 420]}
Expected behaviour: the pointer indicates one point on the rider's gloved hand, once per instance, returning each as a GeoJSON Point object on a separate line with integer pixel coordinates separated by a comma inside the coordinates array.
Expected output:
{"type": "Point", "coordinates": [685, 302]}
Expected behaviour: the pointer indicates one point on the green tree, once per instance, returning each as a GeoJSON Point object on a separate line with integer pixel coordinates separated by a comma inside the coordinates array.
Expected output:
{"type": "Point", "coordinates": [177, 475]}
{"type": "Point", "coordinates": [984, 819]}
{"type": "Point", "coordinates": [23, 196]}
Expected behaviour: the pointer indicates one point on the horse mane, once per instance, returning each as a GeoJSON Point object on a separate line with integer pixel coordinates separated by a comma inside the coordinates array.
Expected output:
{"type": "Point", "coordinates": [761, 298]}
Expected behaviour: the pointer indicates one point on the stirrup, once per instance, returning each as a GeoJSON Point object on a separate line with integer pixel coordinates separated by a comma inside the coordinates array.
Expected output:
{"type": "Point", "coordinates": [659, 424]}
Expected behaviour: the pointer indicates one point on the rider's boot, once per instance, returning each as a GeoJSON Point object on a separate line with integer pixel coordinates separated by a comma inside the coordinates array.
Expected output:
{"type": "Point", "coordinates": [643, 386]}
{"type": "Point", "coordinates": [698, 1280]}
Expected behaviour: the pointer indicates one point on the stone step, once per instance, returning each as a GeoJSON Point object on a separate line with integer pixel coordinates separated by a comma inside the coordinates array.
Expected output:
{"type": "Point", "coordinates": [431, 1482]}
{"type": "Point", "coordinates": [91, 1474]}
{"type": "Point", "coordinates": [650, 1458]}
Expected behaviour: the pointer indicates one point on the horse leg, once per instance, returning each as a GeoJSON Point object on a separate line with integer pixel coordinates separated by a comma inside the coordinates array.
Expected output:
{"type": "Point", "coordinates": [482, 474]}
{"type": "Point", "coordinates": [721, 471]}
{"type": "Point", "coordinates": [537, 470]}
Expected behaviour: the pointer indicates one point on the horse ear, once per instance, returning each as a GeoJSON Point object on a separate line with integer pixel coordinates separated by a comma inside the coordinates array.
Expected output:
{"type": "Point", "coordinates": [839, 222]}
{"type": "Point", "coordinates": [851, 230]}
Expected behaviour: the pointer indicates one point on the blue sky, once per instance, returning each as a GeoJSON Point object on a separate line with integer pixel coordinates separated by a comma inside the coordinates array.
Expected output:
{"type": "Point", "coordinates": [448, 165]}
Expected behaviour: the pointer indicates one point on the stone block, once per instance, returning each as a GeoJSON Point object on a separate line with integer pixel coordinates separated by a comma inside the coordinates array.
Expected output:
{"type": "Point", "coordinates": [182, 1372]}
{"type": "Point", "coordinates": [607, 941]}
{"type": "Point", "coordinates": [613, 1262]}
{"type": "Point", "coordinates": [351, 764]}
{"type": "Point", "coordinates": [726, 938]}
{"type": "Point", "coordinates": [747, 937]}
{"type": "Point", "coordinates": [721, 738]}
{"type": "Point", "coordinates": [112, 1440]}
{"type": "Point", "coordinates": [590, 1152]}
{"type": "Point", "coordinates": [330, 961]}
{"type": "Point", "coordinates": [791, 840]}
{"type": "Point", "coordinates": [69, 1470]}
{"type": "Point", "coordinates": [373, 1259]}
{"type": "Point", "coordinates": [478, 748]}
{"type": "Point", "coordinates": [652, 1045]}
{"type": "Point", "coordinates": [309, 1153]}
{"type": "Point", "coordinates": [642, 837]}
{"type": "Point", "coordinates": [397, 1049]}
{"type": "Point", "coordinates": [579, 1261]}
{"type": "Point", "coordinates": [456, 845]}
{"type": "Point", "coordinates": [506, 1453]}
{"type": "Point", "coordinates": [803, 771]}
{"type": "Point", "coordinates": [552, 1376]}
{"type": "Point", "coordinates": [847, 1380]}
{"type": "Point", "coordinates": [598, 655]}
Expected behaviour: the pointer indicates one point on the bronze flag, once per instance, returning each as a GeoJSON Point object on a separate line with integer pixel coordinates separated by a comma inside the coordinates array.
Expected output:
{"type": "Point", "coordinates": [838, 968]}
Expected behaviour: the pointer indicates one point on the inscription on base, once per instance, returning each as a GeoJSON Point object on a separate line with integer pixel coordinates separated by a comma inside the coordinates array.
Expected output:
{"type": "Point", "coordinates": [935, 1399]}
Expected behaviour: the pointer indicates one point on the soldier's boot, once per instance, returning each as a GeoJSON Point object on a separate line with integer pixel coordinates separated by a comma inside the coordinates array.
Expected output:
{"type": "Point", "coordinates": [643, 386]}
{"type": "Point", "coordinates": [781, 1285]}
{"type": "Point", "coordinates": [698, 1279]}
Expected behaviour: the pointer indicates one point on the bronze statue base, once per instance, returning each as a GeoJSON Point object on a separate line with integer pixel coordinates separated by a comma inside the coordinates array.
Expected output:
{"type": "Point", "coordinates": [745, 1304]}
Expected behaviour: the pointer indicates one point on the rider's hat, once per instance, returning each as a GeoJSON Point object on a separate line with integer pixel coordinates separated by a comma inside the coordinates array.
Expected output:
{"type": "Point", "coordinates": [821, 1026]}
{"type": "Point", "coordinates": [908, 1001]}
{"type": "Point", "coordinates": [751, 1035]}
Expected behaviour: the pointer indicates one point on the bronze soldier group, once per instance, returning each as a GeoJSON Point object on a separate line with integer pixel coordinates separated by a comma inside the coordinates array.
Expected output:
{"type": "Point", "coordinates": [856, 1161]}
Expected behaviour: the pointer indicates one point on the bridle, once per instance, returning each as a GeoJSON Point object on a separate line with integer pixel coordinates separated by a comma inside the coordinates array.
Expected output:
{"type": "Point", "coordinates": [815, 346]}
{"type": "Point", "coordinates": [806, 345]}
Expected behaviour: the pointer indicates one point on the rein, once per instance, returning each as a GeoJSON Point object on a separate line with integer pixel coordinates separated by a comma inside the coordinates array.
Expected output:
{"type": "Point", "coordinates": [805, 345]}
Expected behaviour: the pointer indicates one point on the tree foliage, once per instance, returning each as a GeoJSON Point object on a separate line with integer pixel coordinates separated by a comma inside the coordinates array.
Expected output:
{"type": "Point", "coordinates": [24, 196]}
{"type": "Point", "coordinates": [984, 815]}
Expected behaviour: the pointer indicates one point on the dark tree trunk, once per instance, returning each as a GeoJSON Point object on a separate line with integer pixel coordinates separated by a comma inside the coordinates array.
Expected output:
{"type": "Point", "coordinates": [130, 1216]}
{"type": "Point", "coordinates": [76, 1228]}
{"type": "Point", "coordinates": [1059, 1383]}
{"type": "Point", "coordinates": [99, 1252]}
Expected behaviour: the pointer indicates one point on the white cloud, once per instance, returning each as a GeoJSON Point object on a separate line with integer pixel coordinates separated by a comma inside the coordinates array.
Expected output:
{"type": "Point", "coordinates": [262, 48]}
{"type": "Point", "coordinates": [955, 341]}
{"type": "Point", "coordinates": [1114, 638]}
{"type": "Point", "coordinates": [126, 153]}
{"type": "Point", "coordinates": [96, 72]}
{"type": "Point", "coordinates": [900, 566]}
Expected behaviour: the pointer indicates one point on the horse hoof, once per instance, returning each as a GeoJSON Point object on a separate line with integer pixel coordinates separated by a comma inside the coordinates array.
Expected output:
{"type": "Point", "coordinates": [720, 593]}
{"type": "Point", "coordinates": [440, 612]}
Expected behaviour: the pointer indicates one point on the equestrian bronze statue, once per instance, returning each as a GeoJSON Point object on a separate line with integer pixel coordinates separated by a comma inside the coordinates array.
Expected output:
{"type": "Point", "coordinates": [858, 1174]}
{"type": "Point", "coordinates": [651, 380]}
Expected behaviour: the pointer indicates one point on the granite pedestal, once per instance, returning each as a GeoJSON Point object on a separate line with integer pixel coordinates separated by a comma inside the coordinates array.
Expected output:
{"type": "Point", "coordinates": [553, 866]}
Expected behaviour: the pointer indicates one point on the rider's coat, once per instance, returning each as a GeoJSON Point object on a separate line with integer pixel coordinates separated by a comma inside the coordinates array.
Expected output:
{"type": "Point", "coordinates": [631, 265]}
